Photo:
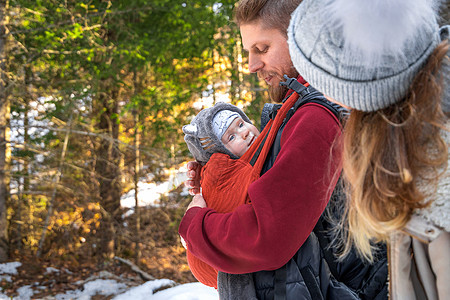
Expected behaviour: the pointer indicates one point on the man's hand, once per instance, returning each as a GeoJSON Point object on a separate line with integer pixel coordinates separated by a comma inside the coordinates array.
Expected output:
{"type": "Point", "coordinates": [193, 181]}
{"type": "Point", "coordinates": [197, 201]}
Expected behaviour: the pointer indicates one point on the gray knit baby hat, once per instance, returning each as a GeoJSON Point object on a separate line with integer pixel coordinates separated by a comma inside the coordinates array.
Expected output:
{"type": "Point", "coordinates": [363, 53]}
{"type": "Point", "coordinates": [200, 132]}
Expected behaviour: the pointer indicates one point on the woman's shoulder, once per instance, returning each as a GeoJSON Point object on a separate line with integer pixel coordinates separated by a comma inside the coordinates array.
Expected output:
{"type": "Point", "coordinates": [438, 211]}
{"type": "Point", "coordinates": [423, 229]}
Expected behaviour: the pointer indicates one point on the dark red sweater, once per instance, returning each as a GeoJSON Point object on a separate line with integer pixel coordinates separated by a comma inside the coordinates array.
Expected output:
{"type": "Point", "coordinates": [287, 201]}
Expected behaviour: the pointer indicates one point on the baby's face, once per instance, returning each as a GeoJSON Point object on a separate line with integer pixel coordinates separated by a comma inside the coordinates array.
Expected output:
{"type": "Point", "coordinates": [239, 136]}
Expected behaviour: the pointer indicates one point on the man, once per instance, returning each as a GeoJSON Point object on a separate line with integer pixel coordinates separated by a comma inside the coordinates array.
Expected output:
{"type": "Point", "coordinates": [263, 28]}
{"type": "Point", "coordinates": [288, 199]}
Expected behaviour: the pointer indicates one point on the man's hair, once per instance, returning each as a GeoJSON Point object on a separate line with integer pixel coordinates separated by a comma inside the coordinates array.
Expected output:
{"type": "Point", "coordinates": [273, 13]}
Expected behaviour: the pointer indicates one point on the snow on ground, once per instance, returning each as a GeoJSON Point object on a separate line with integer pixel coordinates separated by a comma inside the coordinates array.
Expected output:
{"type": "Point", "coordinates": [150, 192]}
{"type": "Point", "coordinates": [7, 269]}
{"type": "Point", "coordinates": [96, 287]}
{"type": "Point", "coordinates": [120, 291]}
{"type": "Point", "coordinates": [188, 291]}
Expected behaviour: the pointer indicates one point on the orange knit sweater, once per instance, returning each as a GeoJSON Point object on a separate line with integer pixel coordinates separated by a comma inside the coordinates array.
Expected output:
{"type": "Point", "coordinates": [225, 182]}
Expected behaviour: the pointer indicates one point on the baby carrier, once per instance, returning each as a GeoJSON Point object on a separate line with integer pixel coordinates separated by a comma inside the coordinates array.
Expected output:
{"type": "Point", "coordinates": [222, 176]}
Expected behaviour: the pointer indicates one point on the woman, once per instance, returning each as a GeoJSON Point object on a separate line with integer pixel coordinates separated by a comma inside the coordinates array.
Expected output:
{"type": "Point", "coordinates": [388, 61]}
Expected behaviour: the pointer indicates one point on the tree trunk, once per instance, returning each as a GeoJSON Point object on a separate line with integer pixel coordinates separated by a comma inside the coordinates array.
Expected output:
{"type": "Point", "coordinates": [4, 134]}
{"type": "Point", "coordinates": [108, 172]}
{"type": "Point", "coordinates": [24, 213]}
{"type": "Point", "coordinates": [27, 200]}
{"type": "Point", "coordinates": [137, 162]}
{"type": "Point", "coordinates": [236, 70]}
{"type": "Point", "coordinates": [56, 180]}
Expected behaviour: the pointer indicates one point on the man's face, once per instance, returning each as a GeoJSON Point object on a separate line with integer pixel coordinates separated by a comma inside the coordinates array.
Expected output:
{"type": "Point", "coordinates": [239, 136]}
{"type": "Point", "coordinates": [268, 53]}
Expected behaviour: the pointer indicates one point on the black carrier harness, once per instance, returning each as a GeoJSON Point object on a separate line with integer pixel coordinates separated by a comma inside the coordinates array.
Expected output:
{"type": "Point", "coordinates": [369, 281]}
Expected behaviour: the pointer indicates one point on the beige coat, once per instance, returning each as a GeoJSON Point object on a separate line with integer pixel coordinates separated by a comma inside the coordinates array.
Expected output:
{"type": "Point", "coordinates": [419, 262]}
{"type": "Point", "coordinates": [419, 255]}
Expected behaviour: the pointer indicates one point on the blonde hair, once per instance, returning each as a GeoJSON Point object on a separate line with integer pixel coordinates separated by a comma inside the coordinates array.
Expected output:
{"type": "Point", "coordinates": [386, 153]}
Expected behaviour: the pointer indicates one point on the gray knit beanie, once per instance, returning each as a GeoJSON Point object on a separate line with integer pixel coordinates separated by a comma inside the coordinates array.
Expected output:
{"type": "Point", "coordinates": [199, 134]}
{"type": "Point", "coordinates": [363, 53]}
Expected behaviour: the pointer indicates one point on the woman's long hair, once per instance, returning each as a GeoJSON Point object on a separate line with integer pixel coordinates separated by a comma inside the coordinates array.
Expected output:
{"type": "Point", "coordinates": [386, 153]}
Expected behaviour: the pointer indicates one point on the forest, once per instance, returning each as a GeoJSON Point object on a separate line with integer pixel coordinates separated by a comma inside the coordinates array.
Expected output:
{"type": "Point", "coordinates": [93, 95]}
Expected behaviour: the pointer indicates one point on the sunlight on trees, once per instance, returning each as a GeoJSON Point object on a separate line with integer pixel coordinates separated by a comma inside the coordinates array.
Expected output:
{"type": "Point", "coordinates": [129, 73]}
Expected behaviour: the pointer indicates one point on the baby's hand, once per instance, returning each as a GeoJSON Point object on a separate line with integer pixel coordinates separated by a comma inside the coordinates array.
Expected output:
{"type": "Point", "coordinates": [193, 181]}
{"type": "Point", "coordinates": [183, 242]}
{"type": "Point", "coordinates": [197, 201]}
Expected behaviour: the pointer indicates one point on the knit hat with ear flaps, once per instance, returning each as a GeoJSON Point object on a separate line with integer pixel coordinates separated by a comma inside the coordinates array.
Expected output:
{"type": "Point", "coordinates": [363, 53]}
{"type": "Point", "coordinates": [200, 137]}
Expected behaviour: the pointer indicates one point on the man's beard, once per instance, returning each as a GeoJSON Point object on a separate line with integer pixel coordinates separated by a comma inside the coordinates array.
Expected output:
{"type": "Point", "coordinates": [277, 93]}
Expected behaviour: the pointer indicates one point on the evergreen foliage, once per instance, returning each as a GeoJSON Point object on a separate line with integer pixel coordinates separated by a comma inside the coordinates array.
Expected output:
{"type": "Point", "coordinates": [98, 92]}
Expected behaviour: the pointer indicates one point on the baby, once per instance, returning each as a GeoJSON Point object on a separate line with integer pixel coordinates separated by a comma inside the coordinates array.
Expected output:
{"type": "Point", "coordinates": [225, 129]}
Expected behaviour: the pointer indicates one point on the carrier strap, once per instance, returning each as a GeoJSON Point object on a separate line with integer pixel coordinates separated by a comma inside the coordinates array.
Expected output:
{"type": "Point", "coordinates": [308, 94]}
{"type": "Point", "coordinates": [319, 231]}
{"type": "Point", "coordinates": [258, 151]}
{"type": "Point", "coordinates": [311, 283]}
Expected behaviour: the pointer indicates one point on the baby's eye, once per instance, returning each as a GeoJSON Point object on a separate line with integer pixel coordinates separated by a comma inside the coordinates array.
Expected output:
{"type": "Point", "coordinates": [241, 124]}
{"type": "Point", "coordinates": [231, 137]}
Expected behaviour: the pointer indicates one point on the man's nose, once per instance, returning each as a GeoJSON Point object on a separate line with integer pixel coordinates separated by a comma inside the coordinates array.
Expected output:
{"type": "Point", "coordinates": [254, 63]}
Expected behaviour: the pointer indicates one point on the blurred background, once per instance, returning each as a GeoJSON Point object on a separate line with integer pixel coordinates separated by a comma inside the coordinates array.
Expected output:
{"type": "Point", "coordinates": [93, 95]}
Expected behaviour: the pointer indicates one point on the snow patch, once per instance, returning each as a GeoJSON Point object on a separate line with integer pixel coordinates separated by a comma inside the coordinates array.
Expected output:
{"type": "Point", "coordinates": [25, 292]}
{"type": "Point", "coordinates": [10, 268]}
{"type": "Point", "coordinates": [144, 290]}
{"type": "Point", "coordinates": [97, 287]}
{"type": "Point", "coordinates": [51, 270]}
{"type": "Point", "coordinates": [149, 193]}
{"type": "Point", "coordinates": [108, 288]}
